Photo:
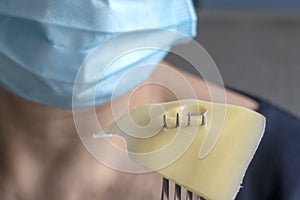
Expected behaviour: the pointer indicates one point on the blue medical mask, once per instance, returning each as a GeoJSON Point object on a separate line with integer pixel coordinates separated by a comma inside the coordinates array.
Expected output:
{"type": "Point", "coordinates": [43, 45]}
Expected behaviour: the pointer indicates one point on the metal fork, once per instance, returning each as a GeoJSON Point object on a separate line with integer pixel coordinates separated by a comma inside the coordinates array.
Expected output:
{"type": "Point", "coordinates": [165, 195]}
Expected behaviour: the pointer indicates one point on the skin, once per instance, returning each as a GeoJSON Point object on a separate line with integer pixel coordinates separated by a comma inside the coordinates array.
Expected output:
{"type": "Point", "coordinates": [42, 157]}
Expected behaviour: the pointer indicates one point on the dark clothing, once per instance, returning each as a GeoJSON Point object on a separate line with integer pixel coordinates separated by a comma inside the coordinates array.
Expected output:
{"type": "Point", "coordinates": [274, 172]}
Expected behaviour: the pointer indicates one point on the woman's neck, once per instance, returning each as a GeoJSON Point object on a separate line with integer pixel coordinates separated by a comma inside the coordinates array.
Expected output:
{"type": "Point", "coordinates": [41, 152]}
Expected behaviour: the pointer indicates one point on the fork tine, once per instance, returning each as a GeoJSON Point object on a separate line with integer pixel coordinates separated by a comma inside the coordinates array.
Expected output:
{"type": "Point", "coordinates": [165, 194]}
{"type": "Point", "coordinates": [165, 189]}
{"type": "Point", "coordinates": [177, 192]}
{"type": "Point", "coordinates": [189, 195]}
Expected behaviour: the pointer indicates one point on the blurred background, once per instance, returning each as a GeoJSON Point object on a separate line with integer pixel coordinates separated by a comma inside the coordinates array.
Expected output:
{"type": "Point", "coordinates": [256, 46]}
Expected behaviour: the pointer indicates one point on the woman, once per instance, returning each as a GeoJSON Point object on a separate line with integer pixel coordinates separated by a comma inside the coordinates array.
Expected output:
{"type": "Point", "coordinates": [41, 154]}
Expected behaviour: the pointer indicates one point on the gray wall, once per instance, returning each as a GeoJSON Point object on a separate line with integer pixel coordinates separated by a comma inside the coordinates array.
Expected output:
{"type": "Point", "coordinates": [255, 52]}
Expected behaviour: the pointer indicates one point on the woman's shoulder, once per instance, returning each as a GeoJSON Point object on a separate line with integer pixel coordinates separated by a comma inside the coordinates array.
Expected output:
{"type": "Point", "coordinates": [185, 82]}
{"type": "Point", "coordinates": [274, 170]}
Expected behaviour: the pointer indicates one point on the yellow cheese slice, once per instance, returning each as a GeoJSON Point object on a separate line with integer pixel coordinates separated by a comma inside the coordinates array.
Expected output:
{"type": "Point", "coordinates": [205, 147]}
